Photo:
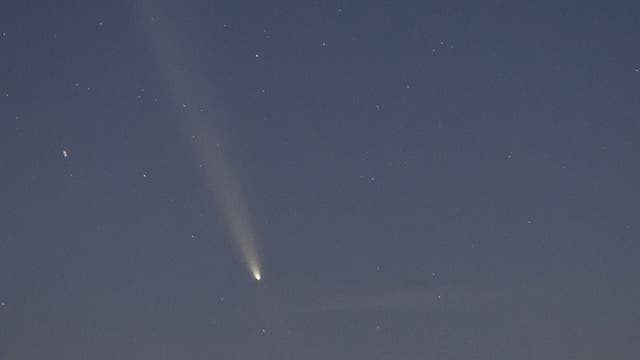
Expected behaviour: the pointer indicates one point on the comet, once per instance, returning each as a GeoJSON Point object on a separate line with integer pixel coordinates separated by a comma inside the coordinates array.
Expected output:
{"type": "Point", "coordinates": [257, 275]}
{"type": "Point", "coordinates": [188, 89]}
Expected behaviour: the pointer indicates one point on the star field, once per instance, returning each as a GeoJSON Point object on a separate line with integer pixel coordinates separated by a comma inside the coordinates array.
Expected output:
{"type": "Point", "coordinates": [319, 180]}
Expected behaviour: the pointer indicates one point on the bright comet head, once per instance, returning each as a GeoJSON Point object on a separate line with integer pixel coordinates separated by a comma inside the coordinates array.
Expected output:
{"type": "Point", "coordinates": [256, 275]}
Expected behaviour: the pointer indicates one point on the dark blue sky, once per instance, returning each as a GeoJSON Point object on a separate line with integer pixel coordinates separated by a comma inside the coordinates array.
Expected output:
{"type": "Point", "coordinates": [447, 180]}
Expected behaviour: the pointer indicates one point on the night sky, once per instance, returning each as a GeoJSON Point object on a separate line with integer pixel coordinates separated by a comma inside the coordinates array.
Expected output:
{"type": "Point", "coordinates": [406, 179]}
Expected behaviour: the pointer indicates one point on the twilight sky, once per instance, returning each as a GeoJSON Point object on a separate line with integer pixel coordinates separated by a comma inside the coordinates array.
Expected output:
{"type": "Point", "coordinates": [411, 180]}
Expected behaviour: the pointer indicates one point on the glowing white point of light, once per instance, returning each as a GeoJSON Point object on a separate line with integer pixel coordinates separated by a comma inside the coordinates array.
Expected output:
{"type": "Point", "coordinates": [65, 153]}
{"type": "Point", "coordinates": [256, 275]}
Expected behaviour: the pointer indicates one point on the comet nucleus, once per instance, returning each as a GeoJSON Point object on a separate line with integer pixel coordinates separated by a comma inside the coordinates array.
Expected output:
{"type": "Point", "coordinates": [256, 275]}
